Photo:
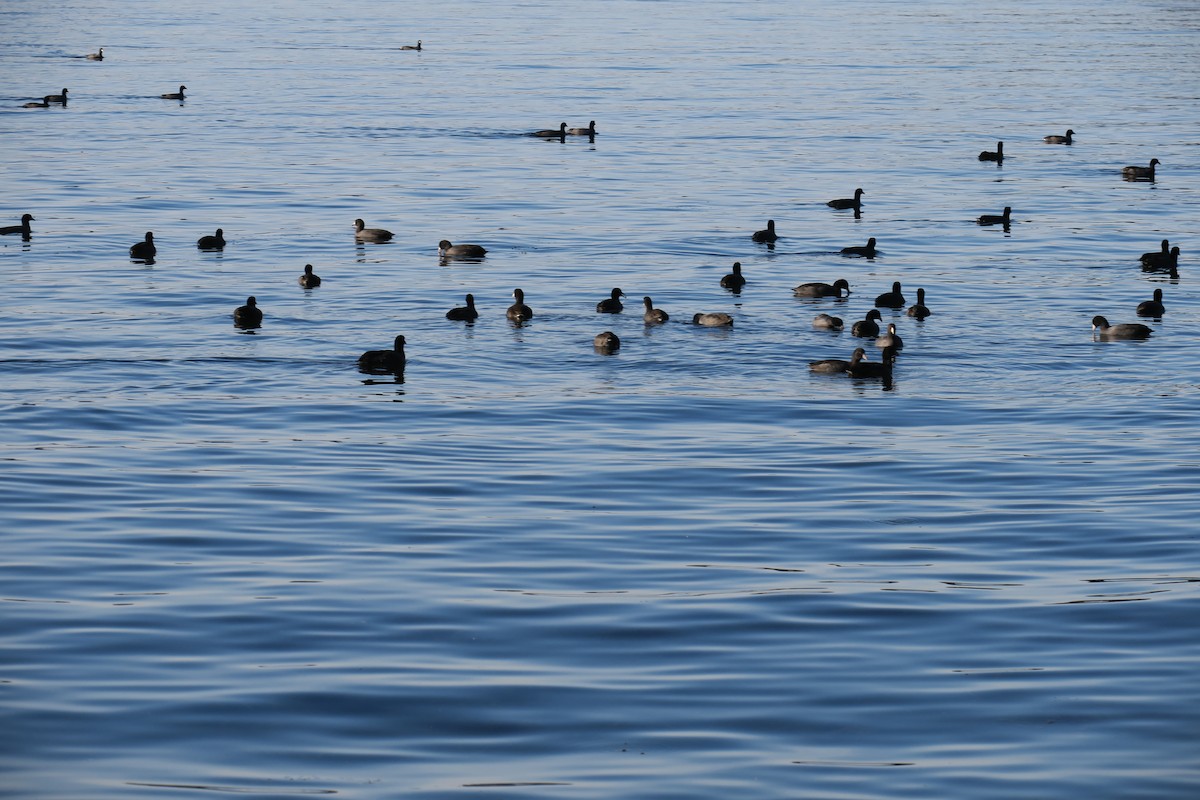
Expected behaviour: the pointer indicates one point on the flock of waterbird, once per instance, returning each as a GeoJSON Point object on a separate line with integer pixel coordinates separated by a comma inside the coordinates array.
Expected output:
{"type": "Point", "coordinates": [250, 316]}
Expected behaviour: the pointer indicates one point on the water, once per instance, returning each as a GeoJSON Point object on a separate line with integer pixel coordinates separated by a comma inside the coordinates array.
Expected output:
{"type": "Point", "coordinates": [691, 569]}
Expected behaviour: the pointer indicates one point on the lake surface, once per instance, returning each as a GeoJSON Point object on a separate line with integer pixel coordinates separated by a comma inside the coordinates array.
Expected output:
{"type": "Point", "coordinates": [235, 564]}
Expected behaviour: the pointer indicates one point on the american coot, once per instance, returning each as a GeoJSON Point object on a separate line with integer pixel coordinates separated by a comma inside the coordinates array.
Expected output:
{"type": "Point", "coordinates": [465, 313]}
{"type": "Point", "coordinates": [365, 234]}
{"type": "Point", "coordinates": [1060, 139]}
{"type": "Point", "coordinates": [384, 360]}
{"type": "Point", "coordinates": [606, 342]}
{"type": "Point", "coordinates": [447, 250]}
{"type": "Point", "coordinates": [97, 56]}
{"type": "Point", "coordinates": [834, 289]}
{"type": "Point", "coordinates": [890, 339]}
{"type": "Point", "coordinates": [997, 156]}
{"type": "Point", "coordinates": [1154, 257]}
{"type": "Point", "coordinates": [867, 249]}
{"type": "Point", "coordinates": [712, 319]}
{"type": "Point", "coordinates": [848, 202]}
{"type": "Point", "coordinates": [612, 304]}
{"type": "Point", "coordinates": [44, 104]}
{"type": "Point", "coordinates": [827, 322]}
{"type": "Point", "coordinates": [57, 98]}
{"type": "Point", "coordinates": [1152, 308]}
{"type": "Point", "coordinates": [919, 310]}
{"type": "Point", "coordinates": [1129, 173]}
{"type": "Point", "coordinates": [997, 219]}
{"type": "Point", "coordinates": [874, 369]}
{"type": "Point", "coordinates": [309, 280]}
{"type": "Point", "coordinates": [653, 316]}
{"type": "Point", "coordinates": [892, 299]}
{"type": "Point", "coordinates": [518, 311]}
{"type": "Point", "coordinates": [22, 229]}
{"type": "Point", "coordinates": [417, 46]}
{"type": "Point", "coordinates": [214, 242]}
{"type": "Point", "coordinates": [174, 95]}
{"type": "Point", "coordinates": [145, 249]}
{"type": "Point", "coordinates": [767, 234]}
{"type": "Point", "coordinates": [1126, 330]}
{"type": "Point", "coordinates": [868, 326]}
{"type": "Point", "coordinates": [550, 133]}
{"type": "Point", "coordinates": [833, 366]}
{"type": "Point", "coordinates": [590, 130]}
{"type": "Point", "coordinates": [249, 315]}
{"type": "Point", "coordinates": [734, 280]}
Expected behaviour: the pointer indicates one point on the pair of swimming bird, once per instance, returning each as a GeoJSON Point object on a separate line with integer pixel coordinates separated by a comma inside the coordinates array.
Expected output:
{"type": "Point", "coordinates": [563, 131]}
{"type": "Point", "coordinates": [447, 250]}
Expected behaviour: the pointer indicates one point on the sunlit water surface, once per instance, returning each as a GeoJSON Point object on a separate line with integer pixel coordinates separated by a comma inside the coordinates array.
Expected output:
{"type": "Point", "coordinates": [232, 563]}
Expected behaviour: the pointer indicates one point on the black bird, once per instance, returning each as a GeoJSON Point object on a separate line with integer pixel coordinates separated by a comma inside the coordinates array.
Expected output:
{"type": "Point", "coordinates": [848, 202]}
{"type": "Point", "coordinates": [767, 234]}
{"type": "Point", "coordinates": [1059, 139]}
{"type": "Point", "coordinates": [734, 280]}
{"type": "Point", "coordinates": [214, 242]}
{"type": "Point", "coordinates": [465, 313]}
{"type": "Point", "coordinates": [518, 311]}
{"type": "Point", "coordinates": [309, 280]}
{"type": "Point", "coordinates": [611, 305]}
{"type": "Point", "coordinates": [868, 326]}
{"type": "Point", "coordinates": [22, 229]}
{"type": "Point", "coordinates": [249, 315]}
{"type": "Point", "coordinates": [144, 250]}
{"type": "Point", "coordinates": [892, 299]}
{"type": "Point", "coordinates": [919, 310]}
{"type": "Point", "coordinates": [867, 249]}
{"type": "Point", "coordinates": [997, 156]}
{"type": "Point", "coordinates": [1152, 308]}
{"type": "Point", "coordinates": [994, 219]}
{"type": "Point", "coordinates": [384, 360]}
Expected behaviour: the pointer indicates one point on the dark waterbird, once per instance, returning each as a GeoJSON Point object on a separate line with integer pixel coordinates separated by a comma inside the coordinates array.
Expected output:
{"type": "Point", "coordinates": [868, 326]}
{"type": "Point", "coordinates": [867, 249]}
{"type": "Point", "coordinates": [997, 219]}
{"type": "Point", "coordinates": [384, 360]}
{"type": "Point", "coordinates": [653, 316]}
{"type": "Point", "coordinates": [734, 280]}
{"type": "Point", "coordinates": [309, 280]}
{"type": "Point", "coordinates": [249, 315]}
{"type": "Point", "coordinates": [834, 289]}
{"type": "Point", "coordinates": [1152, 308]}
{"type": "Point", "coordinates": [465, 313]}
{"type": "Point", "coordinates": [57, 98]}
{"type": "Point", "coordinates": [145, 249]}
{"type": "Point", "coordinates": [848, 202]}
{"type": "Point", "coordinates": [22, 229]}
{"type": "Point", "coordinates": [1125, 330]}
{"type": "Point", "coordinates": [417, 46]}
{"type": "Point", "coordinates": [518, 311]}
{"type": "Point", "coordinates": [767, 234]}
{"type": "Point", "coordinates": [214, 242]}
{"type": "Point", "coordinates": [364, 234]}
{"type": "Point", "coordinates": [44, 104]}
{"type": "Point", "coordinates": [606, 342]}
{"type": "Point", "coordinates": [1060, 139]}
{"type": "Point", "coordinates": [712, 319]}
{"type": "Point", "coordinates": [827, 322]}
{"type": "Point", "coordinates": [612, 304]}
{"type": "Point", "coordinates": [892, 299]}
{"type": "Point", "coordinates": [552, 133]}
{"type": "Point", "coordinates": [1129, 173]}
{"type": "Point", "coordinates": [919, 310]}
{"type": "Point", "coordinates": [590, 130]}
{"type": "Point", "coordinates": [996, 155]}
{"type": "Point", "coordinates": [447, 250]}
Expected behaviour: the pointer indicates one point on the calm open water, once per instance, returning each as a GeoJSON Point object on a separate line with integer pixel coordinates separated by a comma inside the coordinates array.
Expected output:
{"type": "Point", "coordinates": [232, 563]}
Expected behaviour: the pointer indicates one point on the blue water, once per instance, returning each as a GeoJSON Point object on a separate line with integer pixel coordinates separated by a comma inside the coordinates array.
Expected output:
{"type": "Point", "coordinates": [234, 564]}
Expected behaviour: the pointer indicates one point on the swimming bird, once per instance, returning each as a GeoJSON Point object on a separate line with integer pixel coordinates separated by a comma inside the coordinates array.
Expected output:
{"type": "Point", "coordinates": [653, 316]}
{"type": "Point", "coordinates": [827, 322]}
{"type": "Point", "coordinates": [848, 202]}
{"type": "Point", "coordinates": [214, 242]}
{"type": "Point", "coordinates": [44, 104]}
{"type": "Point", "coordinates": [1059, 139]}
{"type": "Point", "coordinates": [412, 47]}
{"type": "Point", "coordinates": [1160, 258]}
{"type": "Point", "coordinates": [1152, 308]}
{"type": "Point", "coordinates": [611, 305]}
{"type": "Point", "coordinates": [919, 310]}
{"type": "Point", "coordinates": [309, 280]}
{"type": "Point", "coordinates": [365, 234]}
{"type": "Point", "coordinates": [590, 130]}
{"type": "Point", "coordinates": [551, 133]}
{"type": "Point", "coordinates": [57, 98]}
{"type": "Point", "coordinates": [1169, 264]}
{"type": "Point", "coordinates": [174, 95]}
{"type": "Point", "coordinates": [874, 369]}
{"type": "Point", "coordinates": [868, 326]}
{"type": "Point", "coordinates": [606, 342]}
{"type": "Point", "coordinates": [891, 338]}
{"type": "Point", "coordinates": [712, 319]}
{"type": "Point", "coordinates": [892, 299]}
{"type": "Point", "coordinates": [22, 229]}
{"type": "Point", "coordinates": [465, 313]}
{"type": "Point", "coordinates": [249, 315]}
{"type": "Point", "coordinates": [1126, 330]}
{"type": "Point", "coordinates": [997, 156]}
{"type": "Point", "coordinates": [834, 289]}
{"type": "Point", "coordinates": [447, 250]}
{"type": "Point", "coordinates": [767, 234]}
{"type": "Point", "coordinates": [833, 366]}
{"type": "Point", "coordinates": [867, 249]}
{"type": "Point", "coordinates": [384, 360]}
{"type": "Point", "coordinates": [97, 56]}
{"type": "Point", "coordinates": [997, 219]}
{"type": "Point", "coordinates": [144, 250]}
{"type": "Point", "coordinates": [518, 311]}
{"type": "Point", "coordinates": [1129, 173]}
{"type": "Point", "coordinates": [734, 280]}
